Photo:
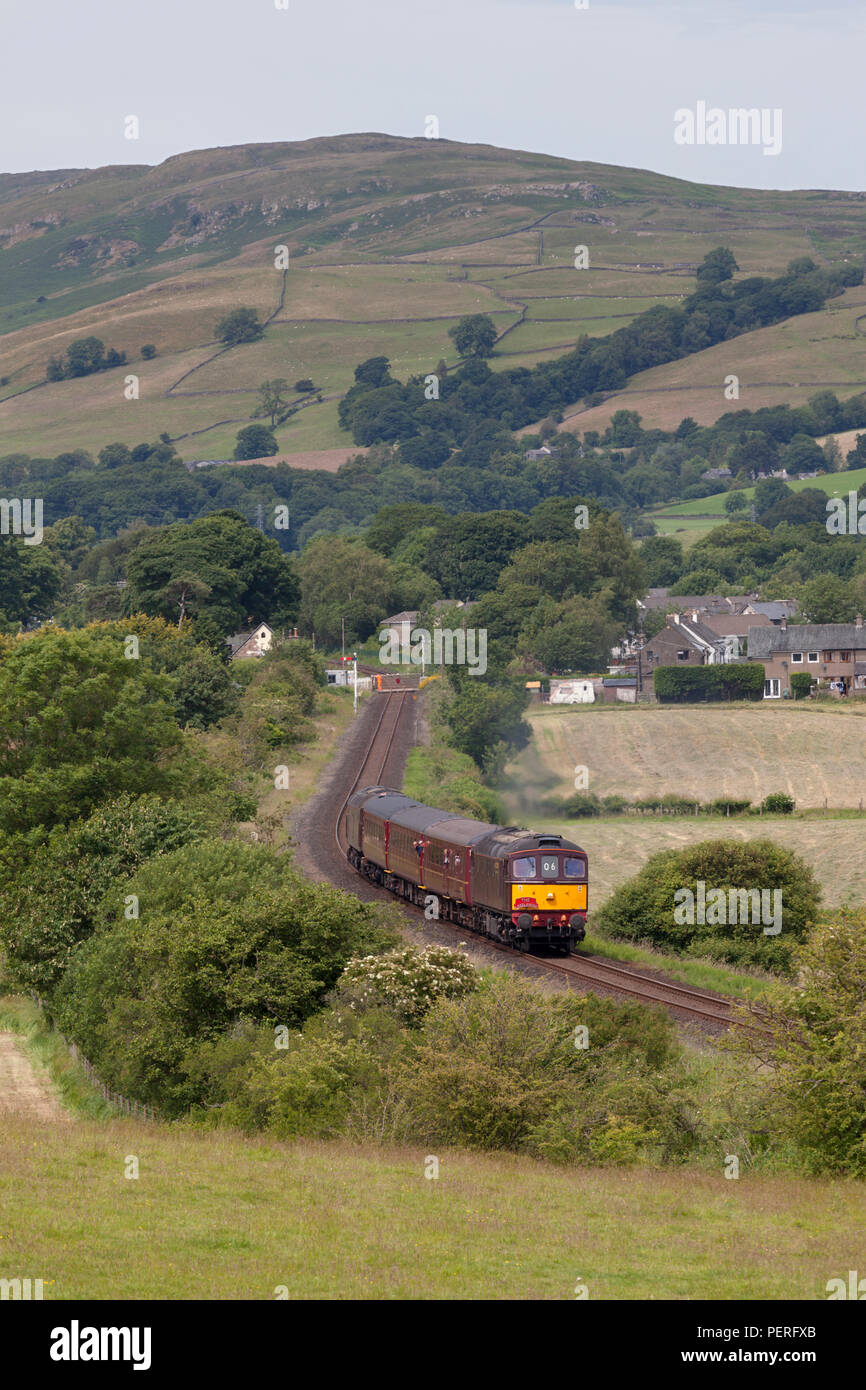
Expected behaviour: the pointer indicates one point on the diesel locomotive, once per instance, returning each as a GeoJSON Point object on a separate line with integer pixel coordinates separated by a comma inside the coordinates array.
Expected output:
{"type": "Point", "coordinates": [519, 888]}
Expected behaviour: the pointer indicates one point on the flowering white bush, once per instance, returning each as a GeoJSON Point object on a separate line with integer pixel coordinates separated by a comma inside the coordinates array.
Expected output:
{"type": "Point", "coordinates": [408, 981]}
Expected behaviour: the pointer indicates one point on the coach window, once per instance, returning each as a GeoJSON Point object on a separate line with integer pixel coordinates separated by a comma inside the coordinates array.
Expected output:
{"type": "Point", "coordinates": [524, 868]}
{"type": "Point", "coordinates": [575, 868]}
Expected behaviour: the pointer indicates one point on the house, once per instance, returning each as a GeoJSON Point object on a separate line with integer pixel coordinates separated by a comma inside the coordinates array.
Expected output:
{"type": "Point", "coordinates": [542, 453]}
{"type": "Point", "coordinates": [713, 473]}
{"type": "Point", "coordinates": [395, 625]}
{"type": "Point", "coordinates": [834, 654]}
{"type": "Point", "coordinates": [775, 611]}
{"type": "Point", "coordinates": [255, 642]}
{"type": "Point", "coordinates": [685, 641]}
{"type": "Point", "coordinates": [733, 628]}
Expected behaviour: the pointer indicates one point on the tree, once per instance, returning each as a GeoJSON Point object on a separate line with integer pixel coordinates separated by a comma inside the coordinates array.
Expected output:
{"type": "Point", "coordinates": [716, 267]}
{"type": "Point", "coordinates": [30, 582]}
{"type": "Point", "coordinates": [373, 372]}
{"type": "Point", "coordinates": [84, 356]}
{"type": "Point", "coordinates": [272, 400]}
{"type": "Point", "coordinates": [148, 351]}
{"type": "Point", "coordinates": [52, 907]}
{"type": "Point", "coordinates": [255, 441]}
{"type": "Point", "coordinates": [856, 457]}
{"type": "Point", "coordinates": [826, 599]}
{"type": "Point", "coordinates": [305, 384]}
{"type": "Point", "coordinates": [342, 579]}
{"type": "Point", "coordinates": [240, 326]}
{"type": "Point", "coordinates": [230, 933]}
{"type": "Point", "coordinates": [736, 502]}
{"type": "Point", "coordinates": [246, 572]}
{"type": "Point", "coordinates": [474, 335]}
{"type": "Point", "coordinates": [79, 721]}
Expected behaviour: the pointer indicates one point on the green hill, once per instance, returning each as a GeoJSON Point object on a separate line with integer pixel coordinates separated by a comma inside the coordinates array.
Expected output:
{"type": "Point", "coordinates": [391, 240]}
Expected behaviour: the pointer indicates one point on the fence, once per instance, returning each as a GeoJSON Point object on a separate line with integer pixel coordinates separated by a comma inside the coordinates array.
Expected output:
{"type": "Point", "coordinates": [121, 1103]}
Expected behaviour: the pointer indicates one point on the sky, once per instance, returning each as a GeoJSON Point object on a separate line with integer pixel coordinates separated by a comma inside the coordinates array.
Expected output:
{"type": "Point", "coordinates": [604, 80]}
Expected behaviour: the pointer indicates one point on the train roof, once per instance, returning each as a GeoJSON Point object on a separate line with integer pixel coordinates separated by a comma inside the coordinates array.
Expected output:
{"type": "Point", "coordinates": [494, 840]}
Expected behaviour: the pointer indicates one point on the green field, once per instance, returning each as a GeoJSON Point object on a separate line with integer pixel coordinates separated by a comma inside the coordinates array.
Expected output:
{"type": "Point", "coordinates": [391, 241]}
{"type": "Point", "coordinates": [218, 1216]}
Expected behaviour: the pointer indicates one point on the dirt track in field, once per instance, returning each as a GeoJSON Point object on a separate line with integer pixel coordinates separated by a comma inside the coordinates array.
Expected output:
{"type": "Point", "coordinates": [22, 1090]}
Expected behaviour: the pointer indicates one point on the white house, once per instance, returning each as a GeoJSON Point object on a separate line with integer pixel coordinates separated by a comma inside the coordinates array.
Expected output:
{"type": "Point", "coordinates": [255, 642]}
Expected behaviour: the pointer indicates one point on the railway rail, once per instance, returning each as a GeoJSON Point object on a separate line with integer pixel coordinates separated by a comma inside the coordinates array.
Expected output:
{"type": "Point", "coordinates": [713, 1011]}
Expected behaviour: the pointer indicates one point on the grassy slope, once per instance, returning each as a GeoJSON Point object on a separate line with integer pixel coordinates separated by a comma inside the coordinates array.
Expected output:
{"type": "Point", "coordinates": [380, 229]}
{"type": "Point", "coordinates": [219, 1216]}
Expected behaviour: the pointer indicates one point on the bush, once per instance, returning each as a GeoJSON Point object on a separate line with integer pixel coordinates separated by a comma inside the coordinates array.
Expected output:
{"type": "Point", "coordinates": [720, 682]}
{"type": "Point", "coordinates": [148, 351]}
{"type": "Point", "coordinates": [801, 684]}
{"type": "Point", "coordinates": [47, 911]}
{"type": "Point", "coordinates": [407, 981]}
{"type": "Point", "coordinates": [580, 805]}
{"type": "Point", "coordinates": [662, 903]}
{"type": "Point", "coordinates": [779, 804]}
{"type": "Point", "coordinates": [812, 1040]}
{"type": "Point", "coordinates": [227, 933]}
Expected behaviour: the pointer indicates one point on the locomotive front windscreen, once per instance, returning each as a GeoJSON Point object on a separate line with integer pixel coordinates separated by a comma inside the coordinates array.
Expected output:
{"type": "Point", "coordinates": [548, 867]}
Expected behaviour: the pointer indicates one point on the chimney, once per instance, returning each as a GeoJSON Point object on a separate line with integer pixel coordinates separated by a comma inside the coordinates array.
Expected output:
{"type": "Point", "coordinates": [784, 623]}
{"type": "Point", "coordinates": [694, 615]}
{"type": "Point", "coordinates": [859, 622]}
{"type": "Point", "coordinates": [676, 618]}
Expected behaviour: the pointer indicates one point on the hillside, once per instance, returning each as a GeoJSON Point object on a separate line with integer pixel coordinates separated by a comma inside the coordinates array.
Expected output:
{"type": "Point", "coordinates": [391, 241]}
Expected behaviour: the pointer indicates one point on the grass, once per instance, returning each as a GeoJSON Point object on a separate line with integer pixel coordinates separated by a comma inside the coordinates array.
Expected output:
{"type": "Point", "coordinates": [702, 974]}
{"type": "Point", "coordinates": [834, 484]}
{"type": "Point", "coordinates": [219, 1216]}
{"type": "Point", "coordinates": [380, 228]}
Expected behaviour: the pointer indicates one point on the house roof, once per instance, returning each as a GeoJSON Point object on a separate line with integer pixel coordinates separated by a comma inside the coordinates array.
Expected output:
{"type": "Point", "coordinates": [778, 608]}
{"type": "Point", "coordinates": [732, 624]}
{"type": "Point", "coordinates": [408, 617]}
{"type": "Point", "coordinates": [766, 641]}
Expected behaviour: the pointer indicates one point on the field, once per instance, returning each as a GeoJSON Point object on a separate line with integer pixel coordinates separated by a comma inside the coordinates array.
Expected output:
{"type": "Point", "coordinates": [746, 751]}
{"type": "Point", "coordinates": [391, 241]}
{"type": "Point", "coordinates": [218, 1216]}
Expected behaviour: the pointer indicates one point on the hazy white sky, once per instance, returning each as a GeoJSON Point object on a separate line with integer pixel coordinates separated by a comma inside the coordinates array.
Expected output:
{"type": "Point", "coordinates": [600, 83]}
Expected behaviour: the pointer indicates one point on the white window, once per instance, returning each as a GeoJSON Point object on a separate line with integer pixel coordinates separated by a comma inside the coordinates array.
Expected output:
{"type": "Point", "coordinates": [771, 688]}
{"type": "Point", "coordinates": [813, 657]}
{"type": "Point", "coordinates": [796, 658]}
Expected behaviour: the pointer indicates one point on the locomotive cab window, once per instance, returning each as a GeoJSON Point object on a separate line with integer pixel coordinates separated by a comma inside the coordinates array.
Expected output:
{"type": "Point", "coordinates": [574, 868]}
{"type": "Point", "coordinates": [524, 868]}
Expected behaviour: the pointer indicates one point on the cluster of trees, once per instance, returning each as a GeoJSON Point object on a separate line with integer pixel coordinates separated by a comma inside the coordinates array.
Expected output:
{"type": "Point", "coordinates": [379, 409]}
{"type": "Point", "coordinates": [83, 357]}
{"type": "Point", "coordinates": [216, 573]}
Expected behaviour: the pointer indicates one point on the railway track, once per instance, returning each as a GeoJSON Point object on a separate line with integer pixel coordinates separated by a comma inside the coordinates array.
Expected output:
{"type": "Point", "coordinates": [713, 1012]}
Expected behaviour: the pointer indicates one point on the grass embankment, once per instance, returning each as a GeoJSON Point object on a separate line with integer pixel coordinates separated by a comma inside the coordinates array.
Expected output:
{"type": "Point", "coordinates": [223, 1217]}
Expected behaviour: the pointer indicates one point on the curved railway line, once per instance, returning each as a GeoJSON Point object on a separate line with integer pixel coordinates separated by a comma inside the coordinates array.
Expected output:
{"type": "Point", "coordinates": [713, 1012]}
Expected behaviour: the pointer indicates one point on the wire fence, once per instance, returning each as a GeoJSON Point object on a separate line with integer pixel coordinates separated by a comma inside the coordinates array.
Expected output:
{"type": "Point", "coordinates": [121, 1103]}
